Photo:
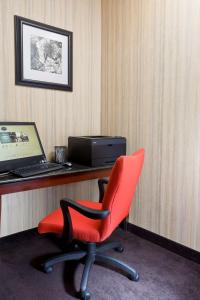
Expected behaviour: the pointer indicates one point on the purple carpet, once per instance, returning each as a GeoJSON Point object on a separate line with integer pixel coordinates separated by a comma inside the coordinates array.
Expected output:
{"type": "Point", "coordinates": [163, 274]}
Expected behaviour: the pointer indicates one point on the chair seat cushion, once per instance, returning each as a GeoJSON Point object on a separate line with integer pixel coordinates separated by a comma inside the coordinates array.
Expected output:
{"type": "Point", "coordinates": [84, 229]}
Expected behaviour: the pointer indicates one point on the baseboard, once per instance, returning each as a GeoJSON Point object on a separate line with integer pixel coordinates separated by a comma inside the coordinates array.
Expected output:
{"type": "Point", "coordinates": [19, 235]}
{"type": "Point", "coordinates": [165, 243]}
{"type": "Point", "coordinates": [141, 232]}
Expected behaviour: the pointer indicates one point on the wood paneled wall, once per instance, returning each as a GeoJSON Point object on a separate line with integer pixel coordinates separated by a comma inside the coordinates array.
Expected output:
{"type": "Point", "coordinates": [151, 95]}
{"type": "Point", "coordinates": [57, 114]}
{"type": "Point", "coordinates": [150, 87]}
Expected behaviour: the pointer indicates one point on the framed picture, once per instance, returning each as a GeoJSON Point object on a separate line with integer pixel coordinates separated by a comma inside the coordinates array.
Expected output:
{"type": "Point", "coordinates": [43, 55]}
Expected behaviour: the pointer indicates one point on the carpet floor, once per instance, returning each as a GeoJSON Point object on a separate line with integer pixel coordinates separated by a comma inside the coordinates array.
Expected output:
{"type": "Point", "coordinates": [163, 274]}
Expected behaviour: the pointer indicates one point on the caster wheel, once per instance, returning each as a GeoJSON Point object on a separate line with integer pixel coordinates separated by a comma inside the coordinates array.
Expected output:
{"type": "Point", "coordinates": [47, 269]}
{"type": "Point", "coordinates": [134, 277]}
{"type": "Point", "coordinates": [119, 249]}
{"type": "Point", "coordinates": [84, 295]}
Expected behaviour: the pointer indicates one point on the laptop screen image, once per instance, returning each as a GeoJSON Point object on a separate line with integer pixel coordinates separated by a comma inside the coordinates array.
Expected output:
{"type": "Point", "coordinates": [19, 145]}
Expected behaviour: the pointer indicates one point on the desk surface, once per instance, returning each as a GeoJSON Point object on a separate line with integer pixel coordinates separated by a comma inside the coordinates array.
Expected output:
{"type": "Point", "coordinates": [11, 183]}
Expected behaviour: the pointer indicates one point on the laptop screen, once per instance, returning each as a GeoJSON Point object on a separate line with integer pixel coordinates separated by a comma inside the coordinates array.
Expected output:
{"type": "Point", "coordinates": [19, 145]}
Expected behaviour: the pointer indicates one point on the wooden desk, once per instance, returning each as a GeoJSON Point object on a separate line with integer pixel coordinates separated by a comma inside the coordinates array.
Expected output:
{"type": "Point", "coordinates": [12, 184]}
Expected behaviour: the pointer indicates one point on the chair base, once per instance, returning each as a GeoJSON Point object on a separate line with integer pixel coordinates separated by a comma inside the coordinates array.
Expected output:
{"type": "Point", "coordinates": [91, 253]}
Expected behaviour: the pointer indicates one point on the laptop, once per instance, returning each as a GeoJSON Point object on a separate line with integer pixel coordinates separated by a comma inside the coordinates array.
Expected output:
{"type": "Point", "coordinates": [21, 151]}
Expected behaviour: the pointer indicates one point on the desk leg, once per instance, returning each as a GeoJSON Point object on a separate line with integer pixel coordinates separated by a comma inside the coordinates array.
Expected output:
{"type": "Point", "coordinates": [0, 213]}
{"type": "Point", "coordinates": [124, 224]}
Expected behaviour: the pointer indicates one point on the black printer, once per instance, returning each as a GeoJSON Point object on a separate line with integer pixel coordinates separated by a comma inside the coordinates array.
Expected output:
{"type": "Point", "coordinates": [95, 151]}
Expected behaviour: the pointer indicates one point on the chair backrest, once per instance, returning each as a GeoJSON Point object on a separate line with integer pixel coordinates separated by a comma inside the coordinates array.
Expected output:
{"type": "Point", "coordinates": [120, 191]}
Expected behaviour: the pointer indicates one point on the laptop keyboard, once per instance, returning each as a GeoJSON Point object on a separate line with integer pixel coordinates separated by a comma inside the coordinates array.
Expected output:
{"type": "Point", "coordinates": [32, 170]}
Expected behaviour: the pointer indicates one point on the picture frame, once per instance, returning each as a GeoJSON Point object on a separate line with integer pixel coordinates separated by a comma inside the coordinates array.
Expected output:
{"type": "Point", "coordinates": [43, 55]}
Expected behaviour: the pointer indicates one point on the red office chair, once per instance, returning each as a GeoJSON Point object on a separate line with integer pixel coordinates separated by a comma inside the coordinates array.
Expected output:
{"type": "Point", "coordinates": [89, 223]}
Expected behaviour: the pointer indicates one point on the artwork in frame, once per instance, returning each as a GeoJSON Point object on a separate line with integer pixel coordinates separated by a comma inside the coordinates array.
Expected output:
{"type": "Point", "coordinates": [43, 55]}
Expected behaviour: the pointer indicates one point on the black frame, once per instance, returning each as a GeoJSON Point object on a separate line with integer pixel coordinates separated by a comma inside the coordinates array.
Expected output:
{"type": "Point", "coordinates": [8, 165]}
{"type": "Point", "coordinates": [19, 79]}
